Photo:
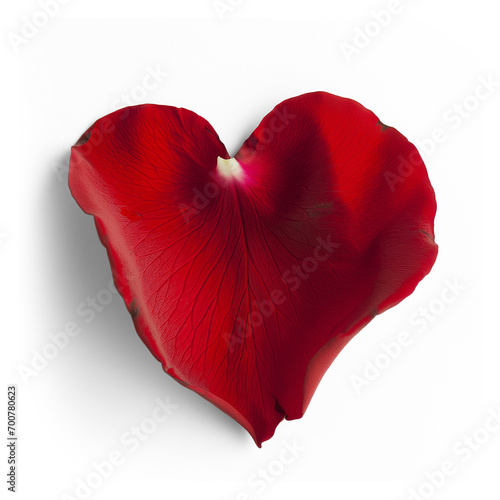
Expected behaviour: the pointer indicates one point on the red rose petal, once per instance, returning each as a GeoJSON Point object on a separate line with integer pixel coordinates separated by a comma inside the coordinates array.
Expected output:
{"type": "Point", "coordinates": [246, 278]}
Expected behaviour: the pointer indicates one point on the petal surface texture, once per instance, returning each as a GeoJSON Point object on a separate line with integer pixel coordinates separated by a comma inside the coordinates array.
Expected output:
{"type": "Point", "coordinates": [246, 276]}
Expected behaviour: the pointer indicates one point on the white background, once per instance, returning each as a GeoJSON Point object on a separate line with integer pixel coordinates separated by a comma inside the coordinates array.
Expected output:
{"type": "Point", "coordinates": [380, 442]}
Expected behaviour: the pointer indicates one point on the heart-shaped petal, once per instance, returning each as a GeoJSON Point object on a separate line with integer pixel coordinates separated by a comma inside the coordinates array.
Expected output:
{"type": "Point", "coordinates": [246, 276]}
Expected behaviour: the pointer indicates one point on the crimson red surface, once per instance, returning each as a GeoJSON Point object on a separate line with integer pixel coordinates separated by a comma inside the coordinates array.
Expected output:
{"type": "Point", "coordinates": [247, 288]}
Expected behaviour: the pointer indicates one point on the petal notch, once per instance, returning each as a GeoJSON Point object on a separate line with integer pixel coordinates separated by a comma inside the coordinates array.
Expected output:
{"type": "Point", "coordinates": [246, 276]}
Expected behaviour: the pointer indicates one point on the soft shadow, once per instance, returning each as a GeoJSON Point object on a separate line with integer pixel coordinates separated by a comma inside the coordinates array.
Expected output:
{"type": "Point", "coordinates": [76, 265]}
{"type": "Point", "coordinates": [244, 136]}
